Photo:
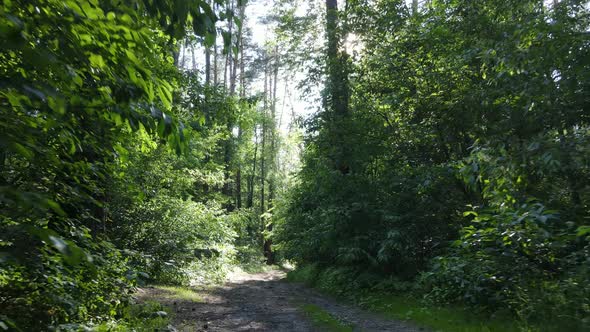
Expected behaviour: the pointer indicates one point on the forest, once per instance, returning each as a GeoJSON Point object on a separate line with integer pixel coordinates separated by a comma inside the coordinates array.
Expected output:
{"type": "Point", "coordinates": [426, 162]}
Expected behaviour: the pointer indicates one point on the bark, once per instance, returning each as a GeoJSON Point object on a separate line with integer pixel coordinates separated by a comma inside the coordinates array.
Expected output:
{"type": "Point", "coordinates": [337, 90]}
{"type": "Point", "coordinates": [338, 80]}
{"type": "Point", "coordinates": [263, 143]}
{"type": "Point", "coordinates": [207, 66]}
{"type": "Point", "coordinates": [215, 78]}
{"type": "Point", "coordinates": [183, 54]}
{"type": "Point", "coordinates": [250, 199]}
{"type": "Point", "coordinates": [239, 61]}
{"type": "Point", "coordinates": [194, 60]}
{"type": "Point", "coordinates": [268, 252]}
{"type": "Point", "coordinates": [273, 106]}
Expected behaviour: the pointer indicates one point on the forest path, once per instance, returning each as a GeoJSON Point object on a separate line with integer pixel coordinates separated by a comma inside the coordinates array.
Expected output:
{"type": "Point", "coordinates": [263, 302]}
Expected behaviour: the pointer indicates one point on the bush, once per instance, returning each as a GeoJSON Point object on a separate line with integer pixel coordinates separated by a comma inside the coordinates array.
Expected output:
{"type": "Point", "coordinates": [516, 259]}
{"type": "Point", "coordinates": [45, 287]}
{"type": "Point", "coordinates": [166, 237]}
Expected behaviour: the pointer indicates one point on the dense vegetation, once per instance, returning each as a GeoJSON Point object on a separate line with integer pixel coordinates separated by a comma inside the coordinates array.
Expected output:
{"type": "Point", "coordinates": [142, 141]}
{"type": "Point", "coordinates": [117, 157]}
{"type": "Point", "coordinates": [452, 156]}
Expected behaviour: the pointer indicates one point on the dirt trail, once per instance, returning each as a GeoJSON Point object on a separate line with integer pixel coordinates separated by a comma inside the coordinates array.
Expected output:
{"type": "Point", "coordinates": [263, 302]}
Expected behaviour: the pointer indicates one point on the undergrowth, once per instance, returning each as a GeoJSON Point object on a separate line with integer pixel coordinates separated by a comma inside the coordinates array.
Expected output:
{"type": "Point", "coordinates": [403, 301]}
{"type": "Point", "coordinates": [324, 320]}
{"type": "Point", "coordinates": [145, 317]}
{"type": "Point", "coordinates": [180, 293]}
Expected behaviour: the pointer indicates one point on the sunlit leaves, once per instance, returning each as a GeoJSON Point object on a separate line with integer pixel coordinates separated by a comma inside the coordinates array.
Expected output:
{"type": "Point", "coordinates": [78, 78]}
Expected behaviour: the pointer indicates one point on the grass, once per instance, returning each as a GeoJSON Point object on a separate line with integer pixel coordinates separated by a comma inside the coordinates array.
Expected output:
{"type": "Point", "coordinates": [451, 319]}
{"type": "Point", "coordinates": [404, 307]}
{"type": "Point", "coordinates": [180, 293]}
{"type": "Point", "coordinates": [324, 320]}
{"type": "Point", "coordinates": [146, 317]}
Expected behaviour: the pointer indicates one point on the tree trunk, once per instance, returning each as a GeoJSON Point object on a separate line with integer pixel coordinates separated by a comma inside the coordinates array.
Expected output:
{"type": "Point", "coordinates": [227, 158]}
{"type": "Point", "coordinates": [263, 143]}
{"type": "Point", "coordinates": [338, 80]}
{"type": "Point", "coordinates": [194, 64]}
{"type": "Point", "coordinates": [239, 61]}
{"type": "Point", "coordinates": [215, 70]}
{"type": "Point", "coordinates": [207, 66]}
{"type": "Point", "coordinates": [337, 90]}
{"type": "Point", "coordinates": [241, 38]}
{"type": "Point", "coordinates": [183, 54]}
{"type": "Point", "coordinates": [268, 252]}
{"type": "Point", "coordinates": [250, 200]}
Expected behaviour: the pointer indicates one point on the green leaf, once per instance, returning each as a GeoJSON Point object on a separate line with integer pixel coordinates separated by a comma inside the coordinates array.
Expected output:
{"type": "Point", "coordinates": [96, 60]}
{"type": "Point", "coordinates": [23, 151]}
{"type": "Point", "coordinates": [238, 22]}
{"type": "Point", "coordinates": [55, 207]}
{"type": "Point", "coordinates": [470, 213]}
{"type": "Point", "coordinates": [165, 97]}
{"type": "Point", "coordinates": [71, 253]}
{"type": "Point", "coordinates": [226, 41]}
{"type": "Point", "coordinates": [210, 39]}
{"type": "Point", "coordinates": [583, 230]}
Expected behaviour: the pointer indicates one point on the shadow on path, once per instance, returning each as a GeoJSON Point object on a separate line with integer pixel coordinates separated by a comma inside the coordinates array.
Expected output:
{"type": "Point", "coordinates": [262, 302]}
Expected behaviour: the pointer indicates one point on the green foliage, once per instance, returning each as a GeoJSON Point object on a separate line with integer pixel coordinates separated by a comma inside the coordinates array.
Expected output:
{"type": "Point", "coordinates": [466, 146]}
{"type": "Point", "coordinates": [43, 288]}
{"type": "Point", "coordinates": [449, 318]}
{"type": "Point", "coordinates": [397, 299]}
{"type": "Point", "coordinates": [324, 320]}
{"type": "Point", "coordinates": [93, 121]}
{"type": "Point", "coordinates": [144, 317]}
{"type": "Point", "coordinates": [166, 234]}
{"type": "Point", "coordinates": [181, 293]}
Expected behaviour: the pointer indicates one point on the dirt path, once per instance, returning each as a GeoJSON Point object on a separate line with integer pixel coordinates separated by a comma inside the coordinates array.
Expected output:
{"type": "Point", "coordinates": [262, 302]}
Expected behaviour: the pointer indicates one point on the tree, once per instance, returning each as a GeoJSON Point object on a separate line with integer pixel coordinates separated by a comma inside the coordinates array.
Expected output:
{"type": "Point", "coordinates": [337, 89]}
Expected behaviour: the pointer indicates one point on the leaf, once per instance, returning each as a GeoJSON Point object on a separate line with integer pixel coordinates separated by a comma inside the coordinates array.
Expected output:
{"type": "Point", "coordinates": [210, 39]}
{"type": "Point", "coordinates": [35, 92]}
{"type": "Point", "coordinates": [23, 151]}
{"type": "Point", "coordinates": [55, 207]}
{"type": "Point", "coordinates": [71, 252]}
{"type": "Point", "coordinates": [226, 41]}
{"type": "Point", "coordinates": [96, 60]}
{"type": "Point", "coordinates": [470, 213]}
{"type": "Point", "coordinates": [208, 11]}
{"type": "Point", "coordinates": [165, 96]}
{"type": "Point", "coordinates": [583, 230]}
{"type": "Point", "coordinates": [199, 25]}
{"type": "Point", "coordinates": [238, 22]}
{"type": "Point", "coordinates": [58, 243]}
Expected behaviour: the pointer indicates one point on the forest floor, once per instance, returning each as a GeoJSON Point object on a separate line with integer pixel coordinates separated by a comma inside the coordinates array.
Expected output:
{"type": "Point", "coordinates": [264, 302]}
